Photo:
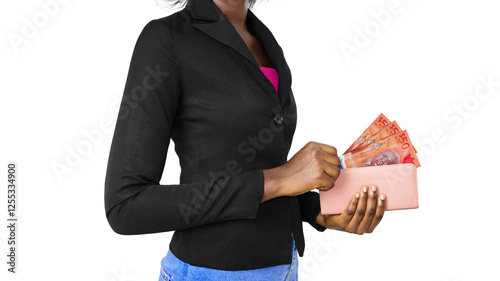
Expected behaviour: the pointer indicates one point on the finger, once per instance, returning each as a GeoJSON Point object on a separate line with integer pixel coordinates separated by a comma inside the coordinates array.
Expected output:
{"type": "Point", "coordinates": [331, 170]}
{"type": "Point", "coordinates": [329, 158]}
{"type": "Point", "coordinates": [328, 148]}
{"type": "Point", "coordinates": [382, 200]}
{"type": "Point", "coordinates": [371, 209]}
{"type": "Point", "coordinates": [325, 182]}
{"type": "Point", "coordinates": [360, 211]}
{"type": "Point", "coordinates": [351, 209]}
{"type": "Point", "coordinates": [343, 219]}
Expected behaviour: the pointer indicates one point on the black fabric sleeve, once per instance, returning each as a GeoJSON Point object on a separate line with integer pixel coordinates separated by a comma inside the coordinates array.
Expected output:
{"type": "Point", "coordinates": [135, 202]}
{"type": "Point", "coordinates": [310, 208]}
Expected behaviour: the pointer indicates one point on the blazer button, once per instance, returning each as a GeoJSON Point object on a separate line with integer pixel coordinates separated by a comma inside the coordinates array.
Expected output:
{"type": "Point", "coordinates": [278, 119]}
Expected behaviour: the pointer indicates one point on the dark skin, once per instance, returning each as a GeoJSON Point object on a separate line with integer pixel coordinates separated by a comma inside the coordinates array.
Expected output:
{"type": "Point", "coordinates": [314, 166]}
{"type": "Point", "coordinates": [236, 13]}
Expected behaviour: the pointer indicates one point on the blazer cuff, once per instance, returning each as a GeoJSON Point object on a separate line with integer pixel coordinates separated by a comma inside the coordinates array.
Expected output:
{"type": "Point", "coordinates": [310, 208]}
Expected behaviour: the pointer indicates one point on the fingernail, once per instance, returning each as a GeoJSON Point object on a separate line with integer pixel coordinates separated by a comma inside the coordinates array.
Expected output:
{"type": "Point", "coordinates": [365, 189]}
{"type": "Point", "coordinates": [381, 199]}
{"type": "Point", "coordinates": [357, 195]}
{"type": "Point", "coordinates": [374, 188]}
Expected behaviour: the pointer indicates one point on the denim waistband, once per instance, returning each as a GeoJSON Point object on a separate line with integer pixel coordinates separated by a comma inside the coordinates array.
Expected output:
{"type": "Point", "coordinates": [174, 269]}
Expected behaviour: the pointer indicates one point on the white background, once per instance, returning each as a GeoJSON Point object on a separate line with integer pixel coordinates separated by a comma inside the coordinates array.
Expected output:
{"type": "Point", "coordinates": [419, 67]}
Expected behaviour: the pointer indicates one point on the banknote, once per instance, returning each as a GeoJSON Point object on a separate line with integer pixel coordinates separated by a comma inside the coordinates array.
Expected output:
{"type": "Point", "coordinates": [386, 131]}
{"type": "Point", "coordinates": [374, 127]}
{"type": "Point", "coordinates": [394, 149]}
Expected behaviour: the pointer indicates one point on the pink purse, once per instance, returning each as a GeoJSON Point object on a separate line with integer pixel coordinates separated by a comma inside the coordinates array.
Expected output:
{"type": "Point", "coordinates": [397, 181]}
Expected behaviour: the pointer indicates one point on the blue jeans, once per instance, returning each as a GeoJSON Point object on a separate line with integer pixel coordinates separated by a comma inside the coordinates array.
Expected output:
{"type": "Point", "coordinates": [173, 269]}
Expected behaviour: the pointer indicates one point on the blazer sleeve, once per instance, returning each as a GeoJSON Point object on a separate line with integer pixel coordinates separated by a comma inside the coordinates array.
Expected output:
{"type": "Point", "coordinates": [135, 202]}
{"type": "Point", "coordinates": [310, 208]}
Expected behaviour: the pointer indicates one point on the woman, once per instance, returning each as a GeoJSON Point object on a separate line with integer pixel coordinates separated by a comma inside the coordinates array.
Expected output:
{"type": "Point", "coordinates": [212, 78]}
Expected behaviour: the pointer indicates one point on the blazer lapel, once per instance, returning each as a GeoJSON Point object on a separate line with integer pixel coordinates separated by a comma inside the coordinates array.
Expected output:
{"type": "Point", "coordinates": [215, 24]}
{"type": "Point", "coordinates": [275, 54]}
{"type": "Point", "coordinates": [218, 26]}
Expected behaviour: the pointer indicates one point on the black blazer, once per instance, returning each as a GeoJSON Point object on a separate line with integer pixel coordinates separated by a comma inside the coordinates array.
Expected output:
{"type": "Point", "coordinates": [192, 79]}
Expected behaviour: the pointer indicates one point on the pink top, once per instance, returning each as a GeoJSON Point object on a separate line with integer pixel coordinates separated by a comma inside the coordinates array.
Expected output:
{"type": "Point", "coordinates": [272, 75]}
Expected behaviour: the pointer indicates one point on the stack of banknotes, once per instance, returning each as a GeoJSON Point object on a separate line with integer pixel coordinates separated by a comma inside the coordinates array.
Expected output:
{"type": "Point", "coordinates": [382, 143]}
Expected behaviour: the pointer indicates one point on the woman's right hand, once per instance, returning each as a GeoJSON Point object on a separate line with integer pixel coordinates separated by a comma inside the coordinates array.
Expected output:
{"type": "Point", "coordinates": [315, 165]}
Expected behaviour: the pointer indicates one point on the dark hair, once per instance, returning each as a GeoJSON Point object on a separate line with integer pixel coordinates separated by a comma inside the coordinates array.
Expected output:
{"type": "Point", "coordinates": [182, 3]}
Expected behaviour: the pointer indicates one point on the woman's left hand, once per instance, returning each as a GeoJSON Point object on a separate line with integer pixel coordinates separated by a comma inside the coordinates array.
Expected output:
{"type": "Point", "coordinates": [362, 215]}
